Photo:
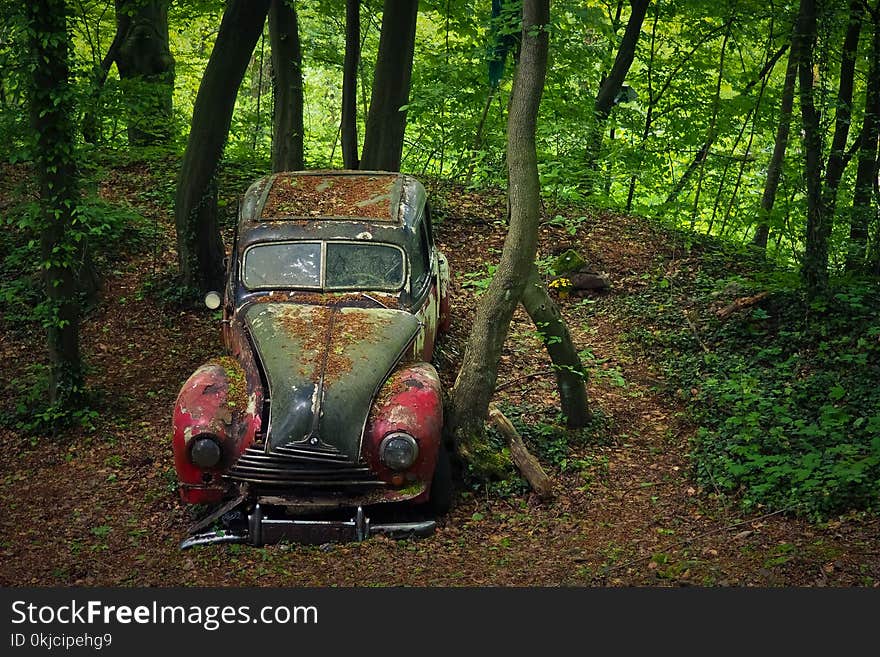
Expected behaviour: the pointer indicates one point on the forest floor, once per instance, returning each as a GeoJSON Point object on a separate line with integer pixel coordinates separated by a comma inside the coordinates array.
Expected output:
{"type": "Point", "coordinates": [98, 506]}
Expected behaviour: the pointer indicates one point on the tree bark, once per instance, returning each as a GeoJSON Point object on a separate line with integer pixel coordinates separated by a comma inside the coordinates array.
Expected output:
{"type": "Point", "coordinates": [350, 157]}
{"type": "Point", "coordinates": [837, 156]}
{"type": "Point", "coordinates": [287, 87]}
{"type": "Point", "coordinates": [611, 85]}
{"type": "Point", "coordinates": [386, 123]}
{"type": "Point", "coordinates": [866, 173]}
{"type": "Point", "coordinates": [51, 109]}
{"type": "Point", "coordinates": [199, 247]}
{"type": "Point", "coordinates": [144, 57]}
{"type": "Point", "coordinates": [90, 129]}
{"type": "Point", "coordinates": [567, 366]}
{"type": "Point", "coordinates": [527, 464]}
{"type": "Point", "coordinates": [814, 269]}
{"type": "Point", "coordinates": [780, 144]}
{"type": "Point", "coordinates": [476, 379]}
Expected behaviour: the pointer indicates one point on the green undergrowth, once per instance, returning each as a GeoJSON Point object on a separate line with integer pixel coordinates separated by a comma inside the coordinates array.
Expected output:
{"type": "Point", "coordinates": [490, 468]}
{"type": "Point", "coordinates": [786, 391]}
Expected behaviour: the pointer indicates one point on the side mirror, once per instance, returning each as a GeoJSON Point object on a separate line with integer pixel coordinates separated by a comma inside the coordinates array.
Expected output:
{"type": "Point", "coordinates": [212, 300]}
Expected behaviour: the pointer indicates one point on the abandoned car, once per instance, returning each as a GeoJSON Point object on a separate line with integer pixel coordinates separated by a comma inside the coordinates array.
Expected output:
{"type": "Point", "coordinates": [325, 404]}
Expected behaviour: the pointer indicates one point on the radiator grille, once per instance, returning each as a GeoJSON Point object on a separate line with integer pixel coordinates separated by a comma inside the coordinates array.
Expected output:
{"type": "Point", "coordinates": [298, 466]}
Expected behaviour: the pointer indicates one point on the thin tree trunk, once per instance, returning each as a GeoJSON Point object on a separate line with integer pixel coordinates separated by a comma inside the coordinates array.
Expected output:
{"type": "Point", "coordinates": [567, 366]}
{"type": "Point", "coordinates": [843, 115]}
{"type": "Point", "coordinates": [475, 383]}
{"type": "Point", "coordinates": [90, 128]}
{"type": "Point", "coordinates": [51, 110]}
{"type": "Point", "coordinates": [774, 168]}
{"type": "Point", "coordinates": [144, 57]}
{"type": "Point", "coordinates": [711, 134]}
{"type": "Point", "coordinates": [386, 123]}
{"type": "Point", "coordinates": [350, 157]}
{"type": "Point", "coordinates": [611, 85]}
{"type": "Point", "coordinates": [287, 87]}
{"type": "Point", "coordinates": [478, 137]}
{"type": "Point", "coordinates": [866, 173]}
{"type": "Point", "coordinates": [814, 269]}
{"type": "Point", "coordinates": [199, 247]}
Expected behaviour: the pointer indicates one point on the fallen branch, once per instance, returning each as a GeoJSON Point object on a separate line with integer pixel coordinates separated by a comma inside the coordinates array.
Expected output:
{"type": "Point", "coordinates": [526, 463]}
{"type": "Point", "coordinates": [738, 304]}
{"type": "Point", "coordinates": [694, 331]}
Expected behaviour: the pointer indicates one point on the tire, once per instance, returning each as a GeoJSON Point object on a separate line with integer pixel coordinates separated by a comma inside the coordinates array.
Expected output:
{"type": "Point", "coordinates": [440, 496]}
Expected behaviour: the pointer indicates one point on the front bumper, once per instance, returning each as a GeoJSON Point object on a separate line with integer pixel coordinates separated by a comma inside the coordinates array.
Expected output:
{"type": "Point", "coordinates": [262, 530]}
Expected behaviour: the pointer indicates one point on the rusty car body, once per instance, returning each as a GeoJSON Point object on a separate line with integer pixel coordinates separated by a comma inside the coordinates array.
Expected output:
{"type": "Point", "coordinates": [326, 401]}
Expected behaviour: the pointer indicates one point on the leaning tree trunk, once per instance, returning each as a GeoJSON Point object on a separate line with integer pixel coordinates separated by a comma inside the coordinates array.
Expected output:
{"type": "Point", "coordinates": [611, 85]}
{"type": "Point", "coordinates": [814, 269]}
{"type": "Point", "coordinates": [774, 168]}
{"type": "Point", "coordinates": [350, 157]}
{"type": "Point", "coordinates": [199, 247]}
{"type": "Point", "coordinates": [567, 366]}
{"type": "Point", "coordinates": [475, 383]}
{"type": "Point", "coordinates": [287, 88]}
{"type": "Point", "coordinates": [144, 61]}
{"type": "Point", "coordinates": [866, 172]}
{"type": "Point", "coordinates": [51, 109]}
{"type": "Point", "coordinates": [837, 158]}
{"type": "Point", "coordinates": [386, 123]}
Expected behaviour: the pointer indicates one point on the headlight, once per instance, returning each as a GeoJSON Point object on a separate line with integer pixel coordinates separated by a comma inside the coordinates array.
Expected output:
{"type": "Point", "coordinates": [398, 451]}
{"type": "Point", "coordinates": [205, 452]}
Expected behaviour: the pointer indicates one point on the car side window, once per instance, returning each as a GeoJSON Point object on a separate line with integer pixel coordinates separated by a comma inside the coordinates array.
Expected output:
{"type": "Point", "coordinates": [421, 261]}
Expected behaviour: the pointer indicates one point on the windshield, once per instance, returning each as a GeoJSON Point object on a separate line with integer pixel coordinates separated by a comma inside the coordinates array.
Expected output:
{"type": "Point", "coordinates": [324, 265]}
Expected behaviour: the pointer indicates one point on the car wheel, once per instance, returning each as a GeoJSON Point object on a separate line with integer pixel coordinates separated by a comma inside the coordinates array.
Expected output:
{"type": "Point", "coordinates": [440, 497]}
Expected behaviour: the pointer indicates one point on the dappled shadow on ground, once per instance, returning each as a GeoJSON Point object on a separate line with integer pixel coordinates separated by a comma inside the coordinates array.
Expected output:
{"type": "Point", "coordinates": [99, 507]}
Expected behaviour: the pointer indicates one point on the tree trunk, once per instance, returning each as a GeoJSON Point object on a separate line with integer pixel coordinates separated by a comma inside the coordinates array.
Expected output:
{"type": "Point", "coordinates": [350, 157]}
{"type": "Point", "coordinates": [144, 58]}
{"type": "Point", "coordinates": [607, 94]}
{"type": "Point", "coordinates": [51, 109]}
{"type": "Point", "coordinates": [866, 173]}
{"type": "Point", "coordinates": [814, 269]}
{"type": "Point", "coordinates": [90, 127]}
{"type": "Point", "coordinates": [774, 168]}
{"type": "Point", "coordinates": [199, 247]}
{"type": "Point", "coordinates": [386, 123]}
{"type": "Point", "coordinates": [837, 156]}
{"type": "Point", "coordinates": [570, 375]}
{"type": "Point", "coordinates": [287, 87]}
{"type": "Point", "coordinates": [475, 383]}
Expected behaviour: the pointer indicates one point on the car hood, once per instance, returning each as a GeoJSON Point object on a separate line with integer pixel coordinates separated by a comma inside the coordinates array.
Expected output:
{"type": "Point", "coordinates": [324, 365]}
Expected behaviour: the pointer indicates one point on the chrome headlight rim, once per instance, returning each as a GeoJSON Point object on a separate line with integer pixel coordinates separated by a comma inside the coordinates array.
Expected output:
{"type": "Point", "coordinates": [396, 436]}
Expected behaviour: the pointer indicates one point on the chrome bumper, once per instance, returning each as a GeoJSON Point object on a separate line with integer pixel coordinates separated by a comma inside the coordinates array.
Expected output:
{"type": "Point", "coordinates": [263, 531]}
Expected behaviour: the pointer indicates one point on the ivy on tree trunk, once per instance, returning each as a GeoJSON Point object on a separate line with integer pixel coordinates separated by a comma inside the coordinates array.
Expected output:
{"type": "Point", "coordinates": [51, 106]}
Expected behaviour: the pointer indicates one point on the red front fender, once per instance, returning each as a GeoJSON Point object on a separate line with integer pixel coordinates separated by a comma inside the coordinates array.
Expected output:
{"type": "Point", "coordinates": [214, 401]}
{"type": "Point", "coordinates": [410, 401]}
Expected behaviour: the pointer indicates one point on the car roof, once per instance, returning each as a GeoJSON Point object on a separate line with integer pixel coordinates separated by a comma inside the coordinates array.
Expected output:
{"type": "Point", "coordinates": [332, 204]}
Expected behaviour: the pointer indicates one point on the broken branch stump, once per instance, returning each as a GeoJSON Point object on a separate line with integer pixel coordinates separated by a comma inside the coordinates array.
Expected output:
{"type": "Point", "coordinates": [524, 461]}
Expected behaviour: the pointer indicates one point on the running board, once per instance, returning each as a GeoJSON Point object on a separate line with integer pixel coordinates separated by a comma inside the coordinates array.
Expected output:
{"type": "Point", "coordinates": [264, 531]}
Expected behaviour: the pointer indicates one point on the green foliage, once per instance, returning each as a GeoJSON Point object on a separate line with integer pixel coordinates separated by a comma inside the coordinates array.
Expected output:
{"type": "Point", "coordinates": [785, 393]}
{"type": "Point", "coordinates": [33, 415]}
